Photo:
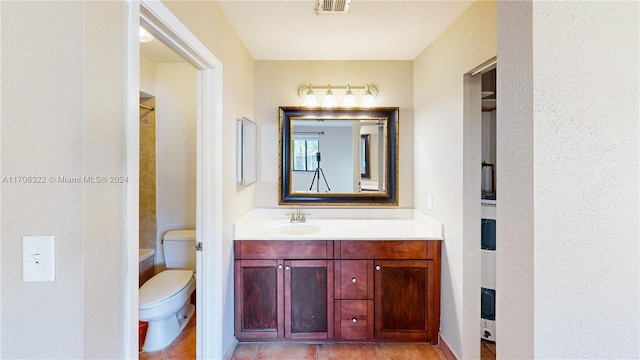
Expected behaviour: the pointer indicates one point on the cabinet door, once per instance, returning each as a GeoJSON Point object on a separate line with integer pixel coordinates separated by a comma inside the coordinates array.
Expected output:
{"type": "Point", "coordinates": [308, 299]}
{"type": "Point", "coordinates": [404, 305]}
{"type": "Point", "coordinates": [259, 299]}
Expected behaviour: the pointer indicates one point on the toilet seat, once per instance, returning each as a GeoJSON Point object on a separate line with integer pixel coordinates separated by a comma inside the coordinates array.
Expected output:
{"type": "Point", "coordinates": [162, 287]}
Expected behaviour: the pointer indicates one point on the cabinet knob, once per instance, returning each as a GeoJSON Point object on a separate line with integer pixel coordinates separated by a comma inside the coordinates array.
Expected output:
{"type": "Point", "coordinates": [287, 267]}
{"type": "Point", "coordinates": [378, 267]}
{"type": "Point", "coordinates": [353, 280]}
{"type": "Point", "coordinates": [280, 267]}
{"type": "Point", "coordinates": [354, 320]}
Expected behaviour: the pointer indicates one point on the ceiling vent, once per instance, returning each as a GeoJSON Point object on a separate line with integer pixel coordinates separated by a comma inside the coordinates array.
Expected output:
{"type": "Point", "coordinates": [333, 6]}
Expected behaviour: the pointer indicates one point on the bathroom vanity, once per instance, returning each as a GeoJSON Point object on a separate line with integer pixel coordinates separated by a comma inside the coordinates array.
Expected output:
{"type": "Point", "coordinates": [329, 283]}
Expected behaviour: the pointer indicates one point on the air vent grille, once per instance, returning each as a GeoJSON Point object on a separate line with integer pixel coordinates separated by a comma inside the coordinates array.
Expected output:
{"type": "Point", "coordinates": [333, 6]}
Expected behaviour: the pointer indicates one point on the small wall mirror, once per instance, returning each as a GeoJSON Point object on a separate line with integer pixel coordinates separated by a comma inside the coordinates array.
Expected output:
{"type": "Point", "coordinates": [338, 156]}
{"type": "Point", "coordinates": [247, 151]}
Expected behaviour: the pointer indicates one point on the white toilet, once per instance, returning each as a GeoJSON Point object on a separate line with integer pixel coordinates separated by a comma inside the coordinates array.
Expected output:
{"type": "Point", "coordinates": [165, 300]}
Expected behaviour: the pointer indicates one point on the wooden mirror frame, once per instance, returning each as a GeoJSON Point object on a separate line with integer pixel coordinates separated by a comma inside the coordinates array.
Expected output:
{"type": "Point", "coordinates": [387, 198]}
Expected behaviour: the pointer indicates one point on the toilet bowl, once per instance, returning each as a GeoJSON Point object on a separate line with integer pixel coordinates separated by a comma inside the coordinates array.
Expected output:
{"type": "Point", "coordinates": [165, 300]}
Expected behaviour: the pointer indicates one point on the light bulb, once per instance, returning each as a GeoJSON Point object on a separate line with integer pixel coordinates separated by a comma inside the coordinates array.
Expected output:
{"type": "Point", "coordinates": [329, 100]}
{"type": "Point", "coordinates": [144, 35]}
{"type": "Point", "coordinates": [310, 98]}
{"type": "Point", "coordinates": [349, 99]}
{"type": "Point", "coordinates": [368, 100]}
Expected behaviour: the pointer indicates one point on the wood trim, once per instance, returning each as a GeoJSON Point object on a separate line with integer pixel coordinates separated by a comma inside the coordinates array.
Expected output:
{"type": "Point", "coordinates": [237, 250]}
{"type": "Point", "coordinates": [446, 350]}
{"type": "Point", "coordinates": [337, 271]}
{"type": "Point", "coordinates": [434, 287]}
{"type": "Point", "coordinates": [237, 280]}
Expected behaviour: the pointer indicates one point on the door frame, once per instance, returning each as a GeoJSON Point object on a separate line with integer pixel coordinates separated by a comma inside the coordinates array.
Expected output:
{"type": "Point", "coordinates": [166, 27]}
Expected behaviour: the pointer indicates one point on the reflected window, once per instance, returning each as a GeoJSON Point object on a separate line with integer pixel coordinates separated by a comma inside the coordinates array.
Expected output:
{"type": "Point", "coordinates": [304, 153]}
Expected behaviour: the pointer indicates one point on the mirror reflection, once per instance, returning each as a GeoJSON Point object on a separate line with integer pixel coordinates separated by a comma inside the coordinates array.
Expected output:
{"type": "Point", "coordinates": [339, 155]}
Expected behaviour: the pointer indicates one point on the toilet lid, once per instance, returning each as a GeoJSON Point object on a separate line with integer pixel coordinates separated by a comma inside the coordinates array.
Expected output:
{"type": "Point", "coordinates": [163, 286]}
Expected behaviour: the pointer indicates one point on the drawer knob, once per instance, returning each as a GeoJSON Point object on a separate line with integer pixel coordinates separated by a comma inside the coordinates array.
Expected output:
{"type": "Point", "coordinates": [287, 268]}
{"type": "Point", "coordinates": [354, 320]}
{"type": "Point", "coordinates": [280, 267]}
{"type": "Point", "coordinates": [378, 267]}
{"type": "Point", "coordinates": [353, 280]}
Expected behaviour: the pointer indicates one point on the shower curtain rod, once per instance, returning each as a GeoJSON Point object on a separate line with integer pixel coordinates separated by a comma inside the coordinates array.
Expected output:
{"type": "Point", "coordinates": [147, 107]}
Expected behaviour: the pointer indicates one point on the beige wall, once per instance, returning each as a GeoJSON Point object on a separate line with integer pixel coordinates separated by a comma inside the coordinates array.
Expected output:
{"type": "Point", "coordinates": [74, 70]}
{"type": "Point", "coordinates": [207, 21]}
{"type": "Point", "coordinates": [176, 145]}
{"type": "Point", "coordinates": [173, 86]}
{"type": "Point", "coordinates": [277, 83]}
{"type": "Point", "coordinates": [440, 146]}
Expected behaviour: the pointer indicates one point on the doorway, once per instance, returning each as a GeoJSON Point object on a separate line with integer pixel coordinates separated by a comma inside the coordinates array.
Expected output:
{"type": "Point", "coordinates": [166, 27]}
{"type": "Point", "coordinates": [480, 204]}
{"type": "Point", "coordinates": [167, 167]}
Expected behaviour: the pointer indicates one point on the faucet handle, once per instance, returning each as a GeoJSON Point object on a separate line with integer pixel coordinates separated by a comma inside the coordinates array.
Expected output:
{"type": "Point", "coordinates": [292, 216]}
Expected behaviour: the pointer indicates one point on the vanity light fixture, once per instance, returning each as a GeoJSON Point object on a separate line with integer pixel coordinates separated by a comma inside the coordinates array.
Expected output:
{"type": "Point", "coordinates": [349, 100]}
{"type": "Point", "coordinates": [309, 97]}
{"type": "Point", "coordinates": [368, 100]}
{"type": "Point", "coordinates": [329, 100]}
{"type": "Point", "coordinates": [368, 93]}
{"type": "Point", "coordinates": [144, 35]}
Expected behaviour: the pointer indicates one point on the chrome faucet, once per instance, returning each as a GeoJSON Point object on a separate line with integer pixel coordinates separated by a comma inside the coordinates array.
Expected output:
{"type": "Point", "coordinates": [298, 216]}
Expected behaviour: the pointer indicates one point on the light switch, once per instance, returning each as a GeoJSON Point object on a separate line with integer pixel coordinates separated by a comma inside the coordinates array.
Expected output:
{"type": "Point", "coordinates": [38, 258]}
{"type": "Point", "coordinates": [429, 202]}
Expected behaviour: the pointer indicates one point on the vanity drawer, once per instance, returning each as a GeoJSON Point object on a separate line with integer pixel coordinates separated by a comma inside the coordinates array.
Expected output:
{"type": "Point", "coordinates": [283, 249]}
{"type": "Point", "coordinates": [389, 249]}
{"type": "Point", "coordinates": [354, 319]}
{"type": "Point", "coordinates": [354, 279]}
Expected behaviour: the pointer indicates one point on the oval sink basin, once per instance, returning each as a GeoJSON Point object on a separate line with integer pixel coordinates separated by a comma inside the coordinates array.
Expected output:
{"type": "Point", "coordinates": [296, 229]}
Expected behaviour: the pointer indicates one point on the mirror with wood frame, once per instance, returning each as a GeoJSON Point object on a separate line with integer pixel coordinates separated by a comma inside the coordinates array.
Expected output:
{"type": "Point", "coordinates": [339, 156]}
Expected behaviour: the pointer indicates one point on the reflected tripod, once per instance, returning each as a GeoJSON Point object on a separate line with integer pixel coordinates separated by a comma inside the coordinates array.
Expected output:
{"type": "Point", "coordinates": [317, 174]}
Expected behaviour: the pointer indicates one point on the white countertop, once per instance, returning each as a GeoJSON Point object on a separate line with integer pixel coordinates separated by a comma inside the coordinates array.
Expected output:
{"type": "Point", "coordinates": [409, 226]}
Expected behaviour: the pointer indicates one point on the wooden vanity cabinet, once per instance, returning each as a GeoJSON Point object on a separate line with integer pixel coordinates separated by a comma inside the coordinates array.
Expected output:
{"type": "Point", "coordinates": [354, 300]}
{"type": "Point", "coordinates": [342, 290]}
{"type": "Point", "coordinates": [289, 296]}
{"type": "Point", "coordinates": [406, 287]}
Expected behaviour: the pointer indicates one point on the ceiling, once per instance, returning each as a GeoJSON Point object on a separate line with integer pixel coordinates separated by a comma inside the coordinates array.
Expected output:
{"type": "Point", "coordinates": [372, 30]}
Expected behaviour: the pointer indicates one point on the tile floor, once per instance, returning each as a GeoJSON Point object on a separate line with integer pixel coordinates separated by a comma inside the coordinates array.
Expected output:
{"type": "Point", "coordinates": [338, 351]}
{"type": "Point", "coordinates": [487, 350]}
{"type": "Point", "coordinates": [184, 348]}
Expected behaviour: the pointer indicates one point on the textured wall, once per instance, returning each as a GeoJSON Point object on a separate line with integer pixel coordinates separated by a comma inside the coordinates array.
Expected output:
{"type": "Point", "coordinates": [514, 181]}
{"type": "Point", "coordinates": [586, 176]}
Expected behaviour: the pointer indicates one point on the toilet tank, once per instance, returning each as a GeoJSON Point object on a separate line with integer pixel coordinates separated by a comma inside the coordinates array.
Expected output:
{"type": "Point", "coordinates": [180, 249]}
